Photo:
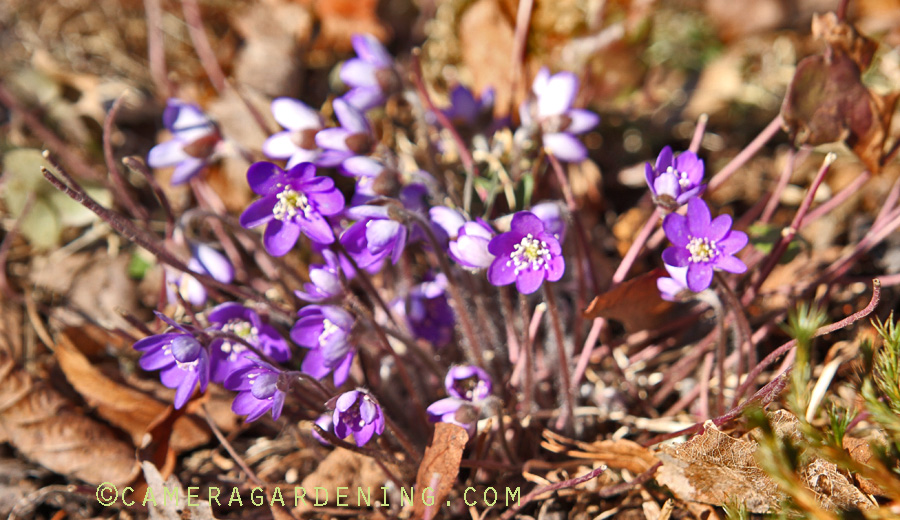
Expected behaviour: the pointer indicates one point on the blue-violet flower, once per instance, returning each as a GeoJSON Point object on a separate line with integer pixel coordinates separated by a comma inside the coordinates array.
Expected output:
{"type": "Point", "coordinates": [675, 180]}
{"type": "Point", "coordinates": [526, 254]}
{"type": "Point", "coordinates": [292, 201]}
{"type": "Point", "coordinates": [357, 413]}
{"type": "Point", "coordinates": [195, 140]}
{"type": "Point", "coordinates": [297, 143]}
{"type": "Point", "coordinates": [258, 392]}
{"type": "Point", "coordinates": [325, 330]}
{"type": "Point", "coordinates": [182, 361]}
{"type": "Point", "coordinates": [204, 260]}
{"type": "Point", "coordinates": [702, 244]}
{"type": "Point", "coordinates": [371, 75]}
{"type": "Point", "coordinates": [324, 280]}
{"type": "Point", "coordinates": [226, 355]}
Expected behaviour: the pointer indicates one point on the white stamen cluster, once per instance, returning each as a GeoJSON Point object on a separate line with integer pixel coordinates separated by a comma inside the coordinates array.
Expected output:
{"type": "Point", "coordinates": [529, 253]}
{"type": "Point", "coordinates": [682, 177]}
{"type": "Point", "coordinates": [290, 203]}
{"type": "Point", "coordinates": [329, 328]}
{"type": "Point", "coordinates": [702, 249]}
{"type": "Point", "coordinates": [242, 329]}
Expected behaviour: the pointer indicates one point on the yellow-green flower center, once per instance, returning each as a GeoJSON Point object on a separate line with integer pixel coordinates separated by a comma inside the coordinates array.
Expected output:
{"type": "Point", "coordinates": [702, 249]}
{"type": "Point", "coordinates": [529, 253]}
{"type": "Point", "coordinates": [290, 202]}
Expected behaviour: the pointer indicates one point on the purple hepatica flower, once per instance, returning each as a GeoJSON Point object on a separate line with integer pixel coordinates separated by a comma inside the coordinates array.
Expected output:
{"type": "Point", "coordinates": [466, 111]}
{"type": "Point", "coordinates": [347, 145]}
{"type": "Point", "coordinates": [204, 260]}
{"type": "Point", "coordinates": [526, 254]}
{"type": "Point", "coordinates": [553, 215]}
{"type": "Point", "coordinates": [551, 112]}
{"type": "Point", "coordinates": [298, 142]}
{"type": "Point", "coordinates": [469, 241]}
{"type": "Point", "coordinates": [293, 201]}
{"type": "Point", "coordinates": [195, 139]}
{"type": "Point", "coordinates": [326, 422]}
{"type": "Point", "coordinates": [674, 181]}
{"type": "Point", "coordinates": [371, 75]}
{"type": "Point", "coordinates": [227, 356]}
{"type": "Point", "coordinates": [468, 387]}
{"type": "Point", "coordinates": [428, 312]}
{"type": "Point", "coordinates": [672, 288]}
{"type": "Point", "coordinates": [181, 359]}
{"type": "Point", "coordinates": [357, 413]}
{"type": "Point", "coordinates": [702, 244]}
{"type": "Point", "coordinates": [324, 280]}
{"type": "Point", "coordinates": [258, 392]}
{"type": "Point", "coordinates": [374, 237]}
{"type": "Point", "coordinates": [325, 330]}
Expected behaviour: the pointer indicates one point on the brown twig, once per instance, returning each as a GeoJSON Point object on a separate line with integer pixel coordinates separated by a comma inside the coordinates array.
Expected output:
{"type": "Point", "coordinates": [565, 484]}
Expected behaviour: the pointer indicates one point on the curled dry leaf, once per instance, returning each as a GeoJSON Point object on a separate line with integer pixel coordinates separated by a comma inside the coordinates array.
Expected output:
{"type": "Point", "coordinates": [45, 428]}
{"type": "Point", "coordinates": [440, 465]}
{"type": "Point", "coordinates": [122, 406]}
{"type": "Point", "coordinates": [617, 454]}
{"type": "Point", "coordinates": [827, 101]}
{"type": "Point", "coordinates": [861, 451]}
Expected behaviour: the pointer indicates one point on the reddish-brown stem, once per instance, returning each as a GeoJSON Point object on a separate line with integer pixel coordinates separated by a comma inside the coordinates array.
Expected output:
{"type": "Point", "coordinates": [564, 382]}
{"type": "Point", "coordinates": [156, 52]}
{"type": "Point", "coordinates": [565, 484]}
{"type": "Point", "coordinates": [741, 158]}
{"type": "Point", "coordinates": [204, 49]}
{"type": "Point", "coordinates": [118, 181]}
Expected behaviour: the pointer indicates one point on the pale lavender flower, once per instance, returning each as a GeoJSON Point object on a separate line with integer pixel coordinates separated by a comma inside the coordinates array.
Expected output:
{"type": "Point", "coordinates": [324, 280]}
{"type": "Point", "coordinates": [325, 330]}
{"type": "Point", "coordinates": [194, 143]}
{"type": "Point", "coordinates": [427, 311]}
{"type": "Point", "coordinates": [370, 75]}
{"type": "Point", "coordinates": [702, 244]}
{"type": "Point", "coordinates": [348, 145]}
{"type": "Point", "coordinates": [550, 113]}
{"type": "Point", "coordinates": [526, 254]}
{"type": "Point", "coordinates": [468, 387]}
{"type": "Point", "coordinates": [204, 260]}
{"type": "Point", "coordinates": [357, 413]}
{"type": "Point", "coordinates": [468, 241]}
{"type": "Point", "coordinates": [675, 180]}
{"type": "Point", "coordinates": [297, 143]}
{"type": "Point", "coordinates": [672, 287]}
{"type": "Point", "coordinates": [374, 236]}
{"type": "Point", "coordinates": [553, 215]}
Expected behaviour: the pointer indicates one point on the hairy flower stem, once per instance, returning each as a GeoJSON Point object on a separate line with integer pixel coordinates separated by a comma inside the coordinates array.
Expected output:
{"type": "Point", "coordinates": [230, 449]}
{"type": "Point", "coordinates": [143, 238]}
{"type": "Point", "coordinates": [565, 385]}
{"type": "Point", "coordinates": [208, 199]}
{"type": "Point", "coordinates": [745, 345]}
{"type": "Point", "coordinates": [361, 310]}
{"type": "Point", "coordinates": [713, 300]}
{"type": "Point", "coordinates": [699, 130]}
{"type": "Point", "coordinates": [120, 187]}
{"type": "Point", "coordinates": [827, 329]}
{"type": "Point", "coordinates": [788, 234]}
{"type": "Point", "coordinates": [528, 348]}
{"type": "Point", "coordinates": [465, 154]}
{"type": "Point", "coordinates": [457, 300]}
{"type": "Point", "coordinates": [137, 164]}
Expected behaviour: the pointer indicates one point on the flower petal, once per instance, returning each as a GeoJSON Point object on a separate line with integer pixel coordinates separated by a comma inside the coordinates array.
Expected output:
{"type": "Point", "coordinates": [676, 229]}
{"type": "Point", "coordinates": [350, 117]}
{"type": "Point", "coordinates": [167, 154]}
{"type": "Point", "coordinates": [359, 73]}
{"type": "Point", "coordinates": [557, 96]}
{"type": "Point", "coordinates": [370, 49]}
{"type": "Point", "coordinates": [582, 120]}
{"type": "Point", "coordinates": [280, 146]}
{"type": "Point", "coordinates": [295, 115]}
{"type": "Point", "coordinates": [732, 264]}
{"type": "Point", "coordinates": [699, 276]}
{"type": "Point", "coordinates": [186, 170]}
{"type": "Point", "coordinates": [263, 177]}
{"type": "Point", "coordinates": [525, 222]}
{"type": "Point", "coordinates": [258, 212]}
{"type": "Point", "coordinates": [734, 242]}
{"type": "Point", "coordinates": [332, 139]}
{"type": "Point", "coordinates": [565, 147]}
{"type": "Point", "coordinates": [698, 218]}
{"type": "Point", "coordinates": [719, 227]}
{"type": "Point", "coordinates": [529, 280]}
{"type": "Point", "coordinates": [502, 271]}
{"type": "Point", "coordinates": [677, 256]}
{"type": "Point", "coordinates": [280, 237]}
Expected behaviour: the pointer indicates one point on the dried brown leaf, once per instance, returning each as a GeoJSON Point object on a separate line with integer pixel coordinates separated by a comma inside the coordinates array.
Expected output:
{"type": "Point", "coordinates": [43, 426]}
{"type": "Point", "coordinates": [832, 488]}
{"type": "Point", "coordinates": [345, 469]}
{"type": "Point", "coordinates": [178, 509]}
{"type": "Point", "coordinates": [486, 43]}
{"type": "Point", "coordinates": [617, 454]}
{"type": "Point", "coordinates": [635, 303]}
{"type": "Point", "coordinates": [440, 465]}
{"type": "Point", "coordinates": [714, 468]}
{"type": "Point", "coordinates": [125, 407]}
{"type": "Point", "coordinates": [861, 451]}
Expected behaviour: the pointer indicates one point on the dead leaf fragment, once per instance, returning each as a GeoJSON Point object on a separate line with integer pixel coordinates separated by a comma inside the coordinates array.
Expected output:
{"type": "Point", "coordinates": [440, 465]}
{"type": "Point", "coordinates": [714, 468]}
{"type": "Point", "coordinates": [635, 303]}
{"type": "Point", "coordinates": [617, 454]}
{"type": "Point", "coordinates": [355, 474]}
{"type": "Point", "coordinates": [43, 426]}
{"type": "Point", "coordinates": [178, 509]}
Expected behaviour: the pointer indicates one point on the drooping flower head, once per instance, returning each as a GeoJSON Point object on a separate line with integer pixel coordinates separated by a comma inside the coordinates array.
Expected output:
{"type": "Point", "coordinates": [467, 241]}
{"type": "Point", "coordinates": [675, 180]}
{"type": "Point", "coordinates": [292, 201]}
{"type": "Point", "coordinates": [551, 115]}
{"type": "Point", "coordinates": [370, 75]}
{"type": "Point", "coordinates": [297, 143]}
{"type": "Point", "coordinates": [526, 254]}
{"type": "Point", "coordinates": [325, 330]}
{"type": "Point", "coordinates": [324, 280]}
{"type": "Point", "coordinates": [195, 140]}
{"type": "Point", "coordinates": [428, 313]}
{"type": "Point", "coordinates": [553, 215]}
{"type": "Point", "coordinates": [702, 244]}
{"type": "Point", "coordinates": [204, 260]}
{"type": "Point", "coordinates": [182, 361]}
{"type": "Point", "coordinates": [357, 413]}
{"type": "Point", "coordinates": [258, 390]}
{"type": "Point", "coordinates": [226, 355]}
{"type": "Point", "coordinates": [468, 386]}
